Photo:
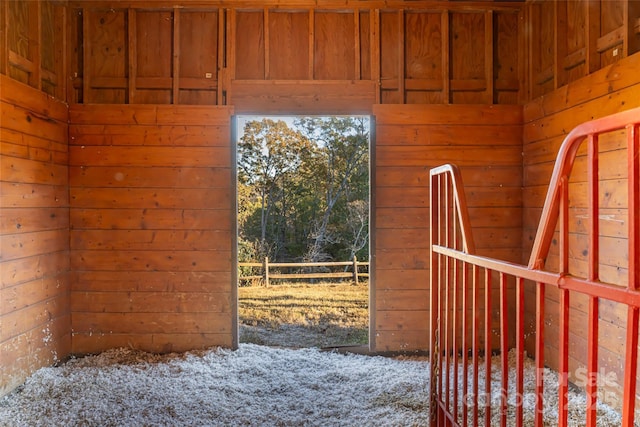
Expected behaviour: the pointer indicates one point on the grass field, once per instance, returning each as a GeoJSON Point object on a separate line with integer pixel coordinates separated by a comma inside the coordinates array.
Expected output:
{"type": "Point", "coordinates": [304, 315]}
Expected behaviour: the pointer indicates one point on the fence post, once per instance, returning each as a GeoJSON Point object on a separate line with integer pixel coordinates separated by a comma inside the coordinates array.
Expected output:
{"type": "Point", "coordinates": [355, 269]}
{"type": "Point", "coordinates": [266, 271]}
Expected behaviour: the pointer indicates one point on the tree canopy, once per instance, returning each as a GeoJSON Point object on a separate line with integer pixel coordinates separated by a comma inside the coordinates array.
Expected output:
{"type": "Point", "coordinates": [303, 191]}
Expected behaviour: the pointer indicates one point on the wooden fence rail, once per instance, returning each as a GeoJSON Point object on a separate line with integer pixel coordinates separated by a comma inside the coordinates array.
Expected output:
{"type": "Point", "coordinates": [267, 275]}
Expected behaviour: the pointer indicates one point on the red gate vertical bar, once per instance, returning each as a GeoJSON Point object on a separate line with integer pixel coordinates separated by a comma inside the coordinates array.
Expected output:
{"type": "Point", "coordinates": [447, 292]}
{"type": "Point", "coordinates": [456, 279]}
{"type": "Point", "coordinates": [504, 348]}
{"type": "Point", "coordinates": [519, 351]}
{"type": "Point", "coordinates": [453, 243]}
{"type": "Point", "coordinates": [593, 275]}
{"type": "Point", "coordinates": [563, 306]}
{"type": "Point", "coordinates": [465, 343]}
{"type": "Point", "coordinates": [476, 340]}
{"type": "Point", "coordinates": [487, 346]}
{"type": "Point", "coordinates": [592, 361]}
{"type": "Point", "coordinates": [563, 356]}
{"type": "Point", "coordinates": [433, 290]}
{"type": "Point", "coordinates": [631, 356]}
{"type": "Point", "coordinates": [540, 296]}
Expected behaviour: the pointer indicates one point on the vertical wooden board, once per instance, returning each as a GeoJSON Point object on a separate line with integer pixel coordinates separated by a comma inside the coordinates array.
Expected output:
{"type": "Point", "coordinates": [18, 31]}
{"type": "Point", "coordinates": [107, 43]}
{"type": "Point", "coordinates": [612, 15]}
{"type": "Point", "coordinates": [423, 46]}
{"type": "Point", "coordinates": [152, 58]}
{"type": "Point", "coordinates": [153, 39]}
{"type": "Point", "coordinates": [467, 60]}
{"type": "Point", "coordinates": [334, 46]}
{"type": "Point", "coordinates": [389, 55]}
{"type": "Point", "coordinates": [199, 44]}
{"type": "Point", "coordinates": [74, 56]}
{"type": "Point", "coordinates": [365, 46]}
{"type": "Point", "coordinates": [48, 49]}
{"type": "Point", "coordinates": [53, 25]}
{"type": "Point", "coordinates": [289, 31]}
{"type": "Point", "coordinates": [105, 53]}
{"type": "Point", "coordinates": [467, 41]}
{"type": "Point", "coordinates": [544, 50]}
{"type": "Point", "coordinates": [575, 61]}
{"type": "Point", "coordinates": [249, 45]}
{"type": "Point", "coordinates": [3, 38]}
{"type": "Point", "coordinates": [576, 22]}
{"type": "Point", "coordinates": [18, 36]}
{"type": "Point", "coordinates": [505, 68]}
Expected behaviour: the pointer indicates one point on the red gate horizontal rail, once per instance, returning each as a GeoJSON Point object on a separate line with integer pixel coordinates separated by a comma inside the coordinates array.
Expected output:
{"type": "Point", "coordinates": [459, 276]}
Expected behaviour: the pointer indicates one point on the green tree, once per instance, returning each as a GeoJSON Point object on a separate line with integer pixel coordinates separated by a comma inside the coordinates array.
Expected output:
{"type": "Point", "coordinates": [269, 152]}
{"type": "Point", "coordinates": [342, 161]}
{"type": "Point", "coordinates": [303, 193]}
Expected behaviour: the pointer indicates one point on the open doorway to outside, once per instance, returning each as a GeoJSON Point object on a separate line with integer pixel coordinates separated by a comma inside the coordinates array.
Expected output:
{"type": "Point", "coordinates": [303, 209]}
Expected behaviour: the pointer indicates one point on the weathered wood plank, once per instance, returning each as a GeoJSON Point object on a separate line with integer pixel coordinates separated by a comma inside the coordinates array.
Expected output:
{"type": "Point", "coordinates": [149, 115]}
{"type": "Point", "coordinates": [20, 95]}
{"type": "Point", "coordinates": [143, 156]}
{"type": "Point", "coordinates": [152, 281]}
{"type": "Point", "coordinates": [40, 266]}
{"type": "Point", "coordinates": [149, 177]}
{"type": "Point", "coordinates": [468, 135]}
{"type": "Point", "coordinates": [472, 176]}
{"type": "Point", "coordinates": [150, 260]}
{"type": "Point", "coordinates": [150, 219]}
{"type": "Point", "coordinates": [90, 343]}
{"type": "Point", "coordinates": [302, 97]}
{"type": "Point", "coordinates": [17, 170]}
{"type": "Point", "coordinates": [158, 135]}
{"type": "Point", "coordinates": [401, 299]}
{"type": "Point", "coordinates": [458, 115]}
{"type": "Point", "coordinates": [17, 195]}
{"type": "Point", "coordinates": [26, 121]}
{"type": "Point", "coordinates": [35, 315]}
{"type": "Point", "coordinates": [14, 246]}
{"type": "Point", "coordinates": [152, 323]}
{"type": "Point", "coordinates": [26, 220]}
{"type": "Point", "coordinates": [162, 198]}
{"type": "Point", "coordinates": [33, 292]}
{"type": "Point", "coordinates": [150, 302]}
{"type": "Point", "coordinates": [161, 240]}
{"type": "Point", "coordinates": [601, 83]}
{"type": "Point", "coordinates": [436, 156]}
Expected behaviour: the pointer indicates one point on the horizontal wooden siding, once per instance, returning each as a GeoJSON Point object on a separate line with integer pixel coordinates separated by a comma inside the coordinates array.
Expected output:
{"type": "Point", "coordinates": [151, 220]}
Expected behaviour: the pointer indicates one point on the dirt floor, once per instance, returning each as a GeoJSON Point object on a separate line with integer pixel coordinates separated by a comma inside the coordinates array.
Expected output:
{"type": "Point", "coordinates": [304, 315]}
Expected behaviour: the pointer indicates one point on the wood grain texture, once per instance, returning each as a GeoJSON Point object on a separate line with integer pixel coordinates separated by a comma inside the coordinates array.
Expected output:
{"type": "Point", "coordinates": [411, 139]}
{"type": "Point", "coordinates": [151, 218]}
{"type": "Point", "coordinates": [34, 233]}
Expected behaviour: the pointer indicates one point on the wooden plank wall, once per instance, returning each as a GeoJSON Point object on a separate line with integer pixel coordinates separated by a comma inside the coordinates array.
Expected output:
{"type": "Point", "coordinates": [547, 120]}
{"type": "Point", "coordinates": [34, 232]}
{"type": "Point", "coordinates": [33, 44]}
{"type": "Point", "coordinates": [410, 140]}
{"type": "Point", "coordinates": [151, 227]}
{"type": "Point", "coordinates": [296, 57]}
{"type": "Point", "coordinates": [571, 39]}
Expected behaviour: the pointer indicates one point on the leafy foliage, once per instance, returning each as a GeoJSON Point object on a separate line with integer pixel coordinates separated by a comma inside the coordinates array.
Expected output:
{"type": "Point", "coordinates": [303, 192]}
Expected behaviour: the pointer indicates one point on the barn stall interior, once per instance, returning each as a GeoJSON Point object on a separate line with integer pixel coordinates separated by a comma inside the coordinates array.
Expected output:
{"type": "Point", "coordinates": [118, 201]}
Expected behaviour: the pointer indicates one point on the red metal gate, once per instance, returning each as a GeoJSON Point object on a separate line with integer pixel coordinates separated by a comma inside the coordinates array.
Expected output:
{"type": "Point", "coordinates": [462, 287]}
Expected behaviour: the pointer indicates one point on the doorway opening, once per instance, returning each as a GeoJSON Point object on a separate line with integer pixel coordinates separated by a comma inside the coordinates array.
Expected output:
{"type": "Point", "coordinates": [303, 215]}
